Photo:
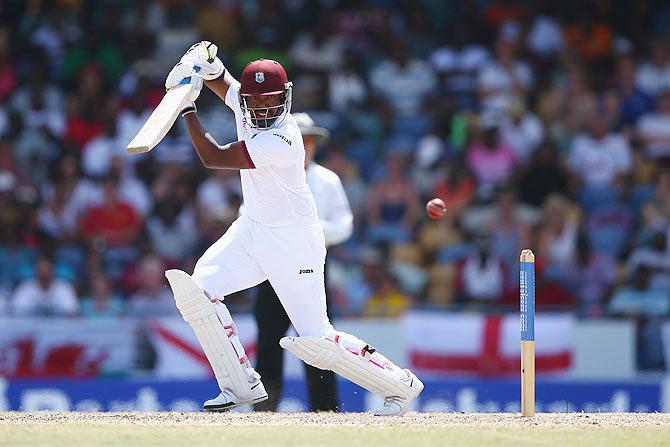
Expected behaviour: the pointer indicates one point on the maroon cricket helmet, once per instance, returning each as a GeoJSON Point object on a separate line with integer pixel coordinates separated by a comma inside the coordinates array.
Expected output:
{"type": "Point", "coordinates": [265, 77]}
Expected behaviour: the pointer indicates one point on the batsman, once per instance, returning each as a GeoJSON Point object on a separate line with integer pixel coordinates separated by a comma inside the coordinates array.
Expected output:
{"type": "Point", "coordinates": [277, 237]}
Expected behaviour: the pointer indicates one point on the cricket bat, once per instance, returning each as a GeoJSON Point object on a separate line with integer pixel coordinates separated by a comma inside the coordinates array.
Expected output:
{"type": "Point", "coordinates": [161, 120]}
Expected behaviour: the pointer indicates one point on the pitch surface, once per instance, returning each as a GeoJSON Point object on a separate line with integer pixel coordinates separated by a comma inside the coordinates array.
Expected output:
{"type": "Point", "coordinates": [324, 429]}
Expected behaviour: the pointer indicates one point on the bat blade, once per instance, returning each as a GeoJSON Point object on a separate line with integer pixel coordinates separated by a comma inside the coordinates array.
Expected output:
{"type": "Point", "coordinates": [160, 121]}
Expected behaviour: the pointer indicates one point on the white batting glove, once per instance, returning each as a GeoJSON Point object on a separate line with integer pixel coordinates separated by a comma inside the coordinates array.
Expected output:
{"type": "Point", "coordinates": [203, 55]}
{"type": "Point", "coordinates": [185, 73]}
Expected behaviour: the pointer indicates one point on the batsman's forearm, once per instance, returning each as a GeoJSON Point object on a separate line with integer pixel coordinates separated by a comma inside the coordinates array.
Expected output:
{"type": "Point", "coordinates": [206, 148]}
{"type": "Point", "coordinates": [221, 84]}
{"type": "Point", "coordinates": [211, 153]}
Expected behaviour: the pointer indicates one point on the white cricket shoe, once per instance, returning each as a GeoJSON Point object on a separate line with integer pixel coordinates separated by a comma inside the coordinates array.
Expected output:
{"type": "Point", "coordinates": [227, 400]}
{"type": "Point", "coordinates": [397, 406]}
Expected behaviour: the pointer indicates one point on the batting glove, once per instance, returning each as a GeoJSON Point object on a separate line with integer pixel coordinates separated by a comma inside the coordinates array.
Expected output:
{"type": "Point", "coordinates": [203, 55]}
{"type": "Point", "coordinates": [185, 73]}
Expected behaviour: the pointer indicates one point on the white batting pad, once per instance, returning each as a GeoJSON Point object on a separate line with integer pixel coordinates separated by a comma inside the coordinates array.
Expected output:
{"type": "Point", "coordinates": [354, 360]}
{"type": "Point", "coordinates": [200, 313]}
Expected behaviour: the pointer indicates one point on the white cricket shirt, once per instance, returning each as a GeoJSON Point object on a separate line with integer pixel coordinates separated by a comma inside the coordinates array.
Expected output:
{"type": "Point", "coordinates": [275, 192]}
{"type": "Point", "coordinates": [331, 204]}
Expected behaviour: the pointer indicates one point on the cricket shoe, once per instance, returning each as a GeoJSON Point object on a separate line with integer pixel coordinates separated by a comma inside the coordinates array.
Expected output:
{"type": "Point", "coordinates": [396, 405]}
{"type": "Point", "coordinates": [227, 400]}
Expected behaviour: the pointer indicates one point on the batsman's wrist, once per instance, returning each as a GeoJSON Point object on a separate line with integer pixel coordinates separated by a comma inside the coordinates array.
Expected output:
{"type": "Point", "coordinates": [188, 108]}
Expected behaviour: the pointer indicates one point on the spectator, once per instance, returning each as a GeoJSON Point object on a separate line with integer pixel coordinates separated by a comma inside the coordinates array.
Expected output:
{"type": "Point", "coordinates": [599, 159]}
{"type": "Point", "coordinates": [84, 121]}
{"type": "Point", "coordinates": [101, 301]}
{"type": "Point", "coordinates": [639, 299]}
{"type": "Point", "coordinates": [634, 102]}
{"type": "Point", "coordinates": [648, 306]}
{"type": "Point", "coordinates": [129, 189]}
{"type": "Point", "coordinates": [544, 175]}
{"type": "Point", "coordinates": [38, 92]}
{"type": "Point", "coordinates": [589, 277]}
{"type": "Point", "coordinates": [567, 105]}
{"type": "Point", "coordinates": [320, 49]}
{"type": "Point", "coordinates": [53, 216]}
{"type": "Point", "coordinates": [653, 76]}
{"type": "Point", "coordinates": [503, 78]}
{"type": "Point", "coordinates": [545, 36]}
{"type": "Point", "coordinates": [522, 129]}
{"type": "Point", "coordinates": [558, 235]}
{"type": "Point", "coordinates": [98, 153]}
{"type": "Point", "coordinates": [114, 222]}
{"type": "Point", "coordinates": [510, 232]}
{"type": "Point", "coordinates": [656, 212]}
{"type": "Point", "coordinates": [171, 230]}
{"type": "Point", "coordinates": [482, 276]}
{"type": "Point", "coordinates": [45, 294]}
{"type": "Point", "coordinates": [393, 204]}
{"type": "Point", "coordinates": [346, 88]}
{"type": "Point", "coordinates": [653, 128]}
{"type": "Point", "coordinates": [656, 258]}
{"type": "Point", "coordinates": [457, 189]}
{"type": "Point", "coordinates": [153, 297]}
{"type": "Point", "coordinates": [387, 300]}
{"type": "Point", "coordinates": [403, 82]}
{"type": "Point", "coordinates": [79, 192]}
{"type": "Point", "coordinates": [490, 158]}
{"type": "Point", "coordinates": [33, 149]}
{"type": "Point", "coordinates": [40, 107]}
{"type": "Point", "coordinates": [458, 65]}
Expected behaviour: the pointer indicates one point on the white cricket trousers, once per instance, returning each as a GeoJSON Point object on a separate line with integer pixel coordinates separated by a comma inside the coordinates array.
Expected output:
{"type": "Point", "coordinates": [292, 258]}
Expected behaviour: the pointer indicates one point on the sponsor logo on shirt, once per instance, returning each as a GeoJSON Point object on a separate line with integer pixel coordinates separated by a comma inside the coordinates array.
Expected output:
{"type": "Point", "coordinates": [305, 271]}
{"type": "Point", "coordinates": [283, 138]}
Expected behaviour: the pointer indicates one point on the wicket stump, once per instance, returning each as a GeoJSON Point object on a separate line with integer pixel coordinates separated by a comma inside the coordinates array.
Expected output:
{"type": "Point", "coordinates": [527, 307]}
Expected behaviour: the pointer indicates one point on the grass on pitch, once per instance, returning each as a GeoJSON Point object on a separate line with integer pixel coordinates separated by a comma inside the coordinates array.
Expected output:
{"type": "Point", "coordinates": [127, 435]}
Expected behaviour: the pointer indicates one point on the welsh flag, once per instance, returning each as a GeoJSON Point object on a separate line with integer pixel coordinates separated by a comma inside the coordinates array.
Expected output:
{"type": "Point", "coordinates": [486, 344]}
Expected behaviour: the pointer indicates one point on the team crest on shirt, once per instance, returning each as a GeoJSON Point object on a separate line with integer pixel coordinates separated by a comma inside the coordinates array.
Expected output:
{"type": "Point", "coordinates": [260, 77]}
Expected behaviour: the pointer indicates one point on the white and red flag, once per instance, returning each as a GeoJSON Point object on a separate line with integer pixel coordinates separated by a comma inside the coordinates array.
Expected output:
{"type": "Point", "coordinates": [486, 344]}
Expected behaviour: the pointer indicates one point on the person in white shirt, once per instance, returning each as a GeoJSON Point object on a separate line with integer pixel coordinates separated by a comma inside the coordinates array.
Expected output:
{"type": "Point", "coordinates": [653, 76]}
{"type": "Point", "coordinates": [278, 237]}
{"type": "Point", "coordinates": [337, 220]}
{"type": "Point", "coordinates": [545, 36]}
{"type": "Point", "coordinates": [45, 294]}
{"type": "Point", "coordinates": [403, 81]}
{"type": "Point", "coordinates": [522, 129]}
{"type": "Point", "coordinates": [503, 78]}
{"type": "Point", "coordinates": [654, 128]}
{"type": "Point", "coordinates": [599, 157]}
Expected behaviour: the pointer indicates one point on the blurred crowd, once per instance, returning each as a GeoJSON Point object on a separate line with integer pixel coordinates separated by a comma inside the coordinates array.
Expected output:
{"type": "Point", "coordinates": [541, 124]}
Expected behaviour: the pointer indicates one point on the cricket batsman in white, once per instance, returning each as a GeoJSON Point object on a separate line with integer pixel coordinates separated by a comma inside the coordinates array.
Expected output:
{"type": "Point", "coordinates": [277, 237]}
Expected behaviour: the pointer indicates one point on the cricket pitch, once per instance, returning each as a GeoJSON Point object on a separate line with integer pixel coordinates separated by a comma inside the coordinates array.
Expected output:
{"type": "Point", "coordinates": [327, 429]}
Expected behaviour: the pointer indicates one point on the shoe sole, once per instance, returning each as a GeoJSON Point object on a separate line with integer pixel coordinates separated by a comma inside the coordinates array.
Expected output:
{"type": "Point", "coordinates": [230, 405]}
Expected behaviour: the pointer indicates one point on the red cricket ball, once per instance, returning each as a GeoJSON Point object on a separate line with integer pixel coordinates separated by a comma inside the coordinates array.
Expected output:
{"type": "Point", "coordinates": [436, 208]}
